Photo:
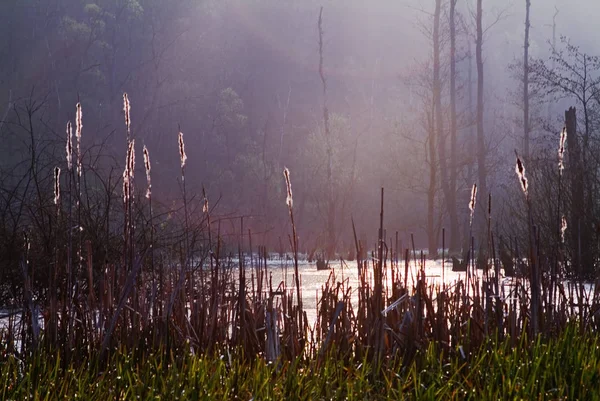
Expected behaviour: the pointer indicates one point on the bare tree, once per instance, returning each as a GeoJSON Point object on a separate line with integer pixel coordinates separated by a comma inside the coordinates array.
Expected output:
{"type": "Point", "coordinates": [330, 203]}
{"type": "Point", "coordinates": [454, 227]}
{"type": "Point", "coordinates": [526, 85]}
{"type": "Point", "coordinates": [481, 151]}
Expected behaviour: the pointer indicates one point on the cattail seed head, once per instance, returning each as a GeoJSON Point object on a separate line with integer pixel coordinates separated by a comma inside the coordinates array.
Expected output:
{"type": "Point", "coordinates": [131, 158]}
{"type": "Point", "coordinates": [126, 110]}
{"type": "Point", "coordinates": [69, 146]}
{"type": "Point", "coordinates": [126, 189]}
{"type": "Point", "coordinates": [205, 203]}
{"type": "Point", "coordinates": [148, 169]}
{"type": "Point", "coordinates": [128, 172]}
{"type": "Point", "coordinates": [289, 200]}
{"type": "Point", "coordinates": [78, 129]}
{"type": "Point", "coordinates": [56, 186]}
{"type": "Point", "coordinates": [561, 150]}
{"type": "Point", "coordinates": [473, 202]}
{"type": "Point", "coordinates": [563, 228]}
{"type": "Point", "coordinates": [520, 170]}
{"type": "Point", "coordinates": [182, 154]}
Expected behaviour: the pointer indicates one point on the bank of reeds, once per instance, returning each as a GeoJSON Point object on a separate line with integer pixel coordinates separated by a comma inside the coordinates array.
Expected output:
{"type": "Point", "coordinates": [159, 296]}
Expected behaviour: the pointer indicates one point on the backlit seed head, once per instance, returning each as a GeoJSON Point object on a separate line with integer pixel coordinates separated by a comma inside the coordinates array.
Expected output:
{"type": "Point", "coordinates": [78, 130]}
{"type": "Point", "coordinates": [182, 154]}
{"type": "Point", "coordinates": [289, 200]}
{"type": "Point", "coordinates": [473, 202]}
{"type": "Point", "coordinates": [148, 169]}
{"type": "Point", "coordinates": [520, 170]}
{"type": "Point", "coordinates": [561, 150]}
{"type": "Point", "coordinates": [126, 110]}
{"type": "Point", "coordinates": [69, 146]}
{"type": "Point", "coordinates": [56, 185]}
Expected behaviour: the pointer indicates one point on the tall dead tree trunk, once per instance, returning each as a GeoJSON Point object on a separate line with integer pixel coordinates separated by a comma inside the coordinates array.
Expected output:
{"type": "Point", "coordinates": [470, 149]}
{"type": "Point", "coordinates": [454, 226]}
{"type": "Point", "coordinates": [526, 86]}
{"type": "Point", "coordinates": [582, 262]}
{"type": "Point", "coordinates": [576, 187]}
{"type": "Point", "coordinates": [550, 104]}
{"type": "Point", "coordinates": [431, 232]}
{"type": "Point", "coordinates": [330, 202]}
{"type": "Point", "coordinates": [481, 151]}
{"type": "Point", "coordinates": [437, 104]}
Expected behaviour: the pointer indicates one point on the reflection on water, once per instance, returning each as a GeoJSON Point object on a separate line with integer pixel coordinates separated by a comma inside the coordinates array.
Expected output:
{"type": "Point", "coordinates": [312, 280]}
{"type": "Point", "coordinates": [437, 272]}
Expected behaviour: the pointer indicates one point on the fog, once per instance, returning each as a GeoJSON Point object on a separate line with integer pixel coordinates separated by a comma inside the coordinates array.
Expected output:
{"type": "Point", "coordinates": [240, 79]}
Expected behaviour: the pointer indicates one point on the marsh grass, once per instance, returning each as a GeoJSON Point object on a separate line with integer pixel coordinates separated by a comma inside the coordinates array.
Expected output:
{"type": "Point", "coordinates": [195, 324]}
{"type": "Point", "coordinates": [546, 369]}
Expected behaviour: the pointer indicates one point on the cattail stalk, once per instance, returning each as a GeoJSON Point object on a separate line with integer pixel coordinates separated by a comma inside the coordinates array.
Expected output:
{"type": "Point", "coordinates": [561, 222]}
{"type": "Point", "coordinates": [78, 133]}
{"type": "Point", "coordinates": [534, 268]}
{"type": "Point", "coordinates": [128, 196]}
{"type": "Point", "coordinates": [148, 168]}
{"type": "Point", "coordinates": [52, 329]}
{"type": "Point", "coordinates": [472, 205]}
{"type": "Point", "coordinates": [67, 301]}
{"type": "Point", "coordinates": [183, 159]}
{"type": "Point", "coordinates": [69, 155]}
{"type": "Point", "coordinates": [290, 203]}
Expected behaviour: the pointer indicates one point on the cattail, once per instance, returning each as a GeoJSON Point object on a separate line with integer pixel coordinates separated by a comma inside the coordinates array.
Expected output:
{"type": "Point", "coordinates": [79, 127]}
{"type": "Point", "coordinates": [561, 150]}
{"type": "Point", "coordinates": [128, 172]}
{"type": "Point", "coordinates": [69, 146]}
{"type": "Point", "coordinates": [289, 200]}
{"type": "Point", "coordinates": [205, 203]}
{"type": "Point", "coordinates": [126, 110]}
{"type": "Point", "coordinates": [520, 170]}
{"type": "Point", "coordinates": [56, 185]}
{"type": "Point", "coordinates": [563, 228]}
{"type": "Point", "coordinates": [473, 202]}
{"type": "Point", "coordinates": [205, 206]}
{"type": "Point", "coordinates": [182, 155]}
{"type": "Point", "coordinates": [125, 187]}
{"type": "Point", "coordinates": [131, 158]}
{"type": "Point", "coordinates": [148, 168]}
